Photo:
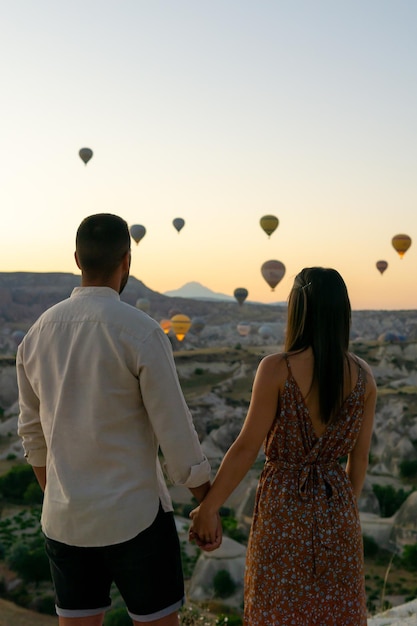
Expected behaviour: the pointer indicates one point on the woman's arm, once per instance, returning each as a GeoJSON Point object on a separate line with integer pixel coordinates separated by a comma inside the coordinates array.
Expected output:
{"type": "Point", "coordinates": [358, 459]}
{"type": "Point", "coordinates": [243, 452]}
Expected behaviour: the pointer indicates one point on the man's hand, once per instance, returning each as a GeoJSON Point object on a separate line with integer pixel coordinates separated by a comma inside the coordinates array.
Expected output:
{"type": "Point", "coordinates": [205, 530]}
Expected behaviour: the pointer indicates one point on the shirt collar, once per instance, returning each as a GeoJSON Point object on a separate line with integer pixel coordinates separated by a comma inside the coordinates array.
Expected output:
{"type": "Point", "coordinates": [101, 292]}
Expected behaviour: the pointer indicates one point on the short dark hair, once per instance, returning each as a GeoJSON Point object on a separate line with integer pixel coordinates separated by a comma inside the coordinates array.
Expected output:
{"type": "Point", "coordinates": [102, 241]}
{"type": "Point", "coordinates": [319, 316]}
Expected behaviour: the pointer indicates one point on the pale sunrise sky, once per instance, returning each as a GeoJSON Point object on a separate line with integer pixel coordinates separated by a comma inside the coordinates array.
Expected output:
{"type": "Point", "coordinates": [218, 112]}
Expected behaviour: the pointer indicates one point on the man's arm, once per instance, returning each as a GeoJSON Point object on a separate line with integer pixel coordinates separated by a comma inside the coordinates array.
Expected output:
{"type": "Point", "coordinates": [29, 426]}
{"type": "Point", "coordinates": [40, 473]}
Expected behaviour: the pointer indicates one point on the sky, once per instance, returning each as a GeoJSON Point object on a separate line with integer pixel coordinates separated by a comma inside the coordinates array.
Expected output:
{"type": "Point", "coordinates": [218, 112]}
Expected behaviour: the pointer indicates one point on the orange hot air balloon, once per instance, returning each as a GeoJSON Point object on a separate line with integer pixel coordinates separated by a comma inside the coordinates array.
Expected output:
{"type": "Point", "coordinates": [240, 293]}
{"type": "Point", "coordinates": [381, 266]}
{"type": "Point", "coordinates": [401, 244]}
{"type": "Point", "coordinates": [137, 232]}
{"type": "Point", "coordinates": [273, 272]}
{"type": "Point", "coordinates": [269, 223]}
{"type": "Point", "coordinates": [180, 325]}
{"type": "Point", "coordinates": [85, 155]}
{"type": "Point", "coordinates": [165, 325]}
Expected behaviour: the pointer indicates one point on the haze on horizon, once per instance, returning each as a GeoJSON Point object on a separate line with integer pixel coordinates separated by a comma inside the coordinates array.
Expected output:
{"type": "Point", "coordinates": [218, 113]}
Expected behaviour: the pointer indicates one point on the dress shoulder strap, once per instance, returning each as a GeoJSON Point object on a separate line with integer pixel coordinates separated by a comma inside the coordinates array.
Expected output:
{"type": "Point", "coordinates": [287, 361]}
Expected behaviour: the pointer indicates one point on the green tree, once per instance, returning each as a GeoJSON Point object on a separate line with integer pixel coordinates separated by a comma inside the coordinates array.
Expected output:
{"type": "Point", "coordinates": [28, 559]}
{"type": "Point", "coordinates": [224, 585]}
{"type": "Point", "coordinates": [14, 484]}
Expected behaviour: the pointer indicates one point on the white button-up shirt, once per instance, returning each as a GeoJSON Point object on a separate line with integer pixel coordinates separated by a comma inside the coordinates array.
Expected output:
{"type": "Point", "coordinates": [98, 394]}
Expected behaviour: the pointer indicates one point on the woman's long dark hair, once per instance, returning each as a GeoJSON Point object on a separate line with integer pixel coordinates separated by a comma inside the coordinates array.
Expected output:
{"type": "Point", "coordinates": [319, 316]}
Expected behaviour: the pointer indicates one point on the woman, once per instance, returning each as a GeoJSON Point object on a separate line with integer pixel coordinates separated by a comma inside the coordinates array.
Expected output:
{"type": "Point", "coordinates": [311, 406]}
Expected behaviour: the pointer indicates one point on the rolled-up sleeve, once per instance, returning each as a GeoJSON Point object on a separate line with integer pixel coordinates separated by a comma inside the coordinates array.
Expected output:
{"type": "Point", "coordinates": [29, 426]}
{"type": "Point", "coordinates": [185, 463]}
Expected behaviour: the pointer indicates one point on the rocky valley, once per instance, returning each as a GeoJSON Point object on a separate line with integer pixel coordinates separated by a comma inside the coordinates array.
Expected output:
{"type": "Point", "coordinates": [216, 366]}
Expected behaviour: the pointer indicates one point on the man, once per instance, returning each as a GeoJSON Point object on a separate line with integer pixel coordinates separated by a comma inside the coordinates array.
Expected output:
{"type": "Point", "coordinates": [99, 394]}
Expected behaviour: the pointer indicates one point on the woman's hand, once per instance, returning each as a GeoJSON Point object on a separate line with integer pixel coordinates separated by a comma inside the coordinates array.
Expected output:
{"type": "Point", "coordinates": [206, 529]}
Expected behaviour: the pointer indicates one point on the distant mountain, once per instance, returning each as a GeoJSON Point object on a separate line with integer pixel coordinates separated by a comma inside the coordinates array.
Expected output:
{"type": "Point", "coordinates": [197, 291]}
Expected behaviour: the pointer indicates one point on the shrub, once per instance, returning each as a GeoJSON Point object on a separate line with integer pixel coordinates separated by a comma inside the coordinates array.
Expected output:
{"type": "Point", "coordinates": [389, 498]}
{"type": "Point", "coordinates": [409, 557]}
{"type": "Point", "coordinates": [45, 604]}
{"type": "Point", "coordinates": [117, 617]}
{"type": "Point", "coordinates": [14, 484]}
{"type": "Point", "coordinates": [230, 527]}
{"type": "Point", "coordinates": [370, 546]}
{"type": "Point", "coordinates": [408, 469]}
{"type": "Point", "coordinates": [229, 620]}
{"type": "Point", "coordinates": [224, 585]}
{"type": "Point", "coordinates": [33, 494]}
{"type": "Point", "coordinates": [28, 559]}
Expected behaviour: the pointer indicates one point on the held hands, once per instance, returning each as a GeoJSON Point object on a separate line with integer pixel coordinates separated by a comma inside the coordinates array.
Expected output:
{"type": "Point", "coordinates": [206, 529]}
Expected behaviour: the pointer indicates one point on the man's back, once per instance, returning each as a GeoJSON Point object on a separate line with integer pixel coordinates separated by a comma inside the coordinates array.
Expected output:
{"type": "Point", "coordinates": [94, 363]}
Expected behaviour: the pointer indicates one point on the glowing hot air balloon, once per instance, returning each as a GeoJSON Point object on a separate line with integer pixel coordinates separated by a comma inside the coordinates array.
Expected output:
{"type": "Point", "coordinates": [166, 325]}
{"type": "Point", "coordinates": [243, 328]}
{"type": "Point", "coordinates": [401, 244]}
{"type": "Point", "coordinates": [137, 232]}
{"type": "Point", "coordinates": [269, 223]}
{"type": "Point", "coordinates": [85, 154]}
{"type": "Point", "coordinates": [180, 325]}
{"type": "Point", "coordinates": [178, 223]}
{"type": "Point", "coordinates": [273, 272]}
{"type": "Point", "coordinates": [240, 294]}
{"type": "Point", "coordinates": [381, 266]}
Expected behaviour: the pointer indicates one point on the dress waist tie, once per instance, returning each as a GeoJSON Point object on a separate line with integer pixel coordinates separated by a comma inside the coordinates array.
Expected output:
{"type": "Point", "coordinates": [315, 484]}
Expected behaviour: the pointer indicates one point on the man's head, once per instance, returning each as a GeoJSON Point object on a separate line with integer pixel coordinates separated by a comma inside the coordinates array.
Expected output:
{"type": "Point", "coordinates": [102, 249]}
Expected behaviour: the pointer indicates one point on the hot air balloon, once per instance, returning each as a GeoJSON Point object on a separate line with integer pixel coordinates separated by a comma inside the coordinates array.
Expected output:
{"type": "Point", "coordinates": [269, 223]}
{"type": "Point", "coordinates": [173, 311]}
{"type": "Point", "coordinates": [240, 293]}
{"type": "Point", "coordinates": [401, 244]}
{"type": "Point", "coordinates": [180, 325]}
{"type": "Point", "coordinates": [178, 223]}
{"type": "Point", "coordinates": [243, 328]}
{"type": "Point", "coordinates": [265, 331]}
{"type": "Point", "coordinates": [137, 232]}
{"type": "Point", "coordinates": [17, 336]}
{"type": "Point", "coordinates": [381, 266]}
{"type": "Point", "coordinates": [143, 304]}
{"type": "Point", "coordinates": [85, 154]}
{"type": "Point", "coordinates": [273, 272]}
{"type": "Point", "coordinates": [166, 325]}
{"type": "Point", "coordinates": [197, 325]}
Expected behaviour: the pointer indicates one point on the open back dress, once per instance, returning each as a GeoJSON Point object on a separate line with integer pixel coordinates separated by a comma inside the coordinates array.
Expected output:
{"type": "Point", "coordinates": [305, 554]}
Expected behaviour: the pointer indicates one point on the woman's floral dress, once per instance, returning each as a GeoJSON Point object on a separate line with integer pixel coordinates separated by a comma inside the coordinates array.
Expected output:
{"type": "Point", "coordinates": [305, 555]}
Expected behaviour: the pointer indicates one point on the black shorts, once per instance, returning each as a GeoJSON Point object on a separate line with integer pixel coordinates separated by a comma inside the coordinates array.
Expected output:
{"type": "Point", "coordinates": [147, 571]}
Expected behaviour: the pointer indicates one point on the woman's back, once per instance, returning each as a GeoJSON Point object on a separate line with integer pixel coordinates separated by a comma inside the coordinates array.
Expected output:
{"type": "Point", "coordinates": [302, 369]}
{"type": "Point", "coordinates": [305, 544]}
